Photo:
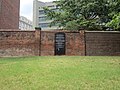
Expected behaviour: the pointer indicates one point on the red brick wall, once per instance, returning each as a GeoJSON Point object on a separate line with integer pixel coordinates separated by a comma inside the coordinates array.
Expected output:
{"type": "Point", "coordinates": [102, 43]}
{"type": "Point", "coordinates": [74, 43]}
{"type": "Point", "coordinates": [18, 43]}
{"type": "Point", "coordinates": [9, 14]}
{"type": "Point", "coordinates": [47, 43]}
{"type": "Point", "coordinates": [36, 43]}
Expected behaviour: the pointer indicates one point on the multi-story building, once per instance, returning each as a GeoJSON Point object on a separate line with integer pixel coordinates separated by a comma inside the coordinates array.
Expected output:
{"type": "Point", "coordinates": [25, 24]}
{"type": "Point", "coordinates": [9, 14]}
{"type": "Point", "coordinates": [39, 17]}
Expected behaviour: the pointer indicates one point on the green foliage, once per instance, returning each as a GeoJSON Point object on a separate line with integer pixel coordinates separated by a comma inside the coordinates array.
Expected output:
{"type": "Point", "coordinates": [115, 22]}
{"type": "Point", "coordinates": [85, 14]}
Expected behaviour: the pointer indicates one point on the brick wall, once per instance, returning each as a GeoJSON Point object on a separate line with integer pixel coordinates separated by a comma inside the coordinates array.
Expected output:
{"type": "Point", "coordinates": [102, 43]}
{"type": "Point", "coordinates": [74, 43]}
{"type": "Point", "coordinates": [9, 14]}
{"type": "Point", "coordinates": [42, 43]}
{"type": "Point", "coordinates": [18, 43]}
{"type": "Point", "coordinates": [47, 43]}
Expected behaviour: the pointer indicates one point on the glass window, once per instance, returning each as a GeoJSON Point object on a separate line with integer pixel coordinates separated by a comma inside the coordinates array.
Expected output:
{"type": "Point", "coordinates": [42, 25]}
{"type": "Point", "coordinates": [41, 12]}
{"type": "Point", "coordinates": [42, 18]}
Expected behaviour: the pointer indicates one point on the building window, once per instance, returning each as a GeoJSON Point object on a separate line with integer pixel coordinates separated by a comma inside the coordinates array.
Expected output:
{"type": "Point", "coordinates": [41, 12]}
{"type": "Point", "coordinates": [43, 25]}
{"type": "Point", "coordinates": [51, 6]}
{"type": "Point", "coordinates": [42, 18]}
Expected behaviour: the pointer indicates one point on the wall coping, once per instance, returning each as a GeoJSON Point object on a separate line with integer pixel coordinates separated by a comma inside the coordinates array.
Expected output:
{"type": "Point", "coordinates": [65, 31]}
{"type": "Point", "coordinates": [15, 30]}
{"type": "Point", "coordinates": [55, 31]}
{"type": "Point", "coordinates": [102, 31]}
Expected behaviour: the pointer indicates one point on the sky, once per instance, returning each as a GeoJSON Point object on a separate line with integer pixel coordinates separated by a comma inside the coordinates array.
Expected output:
{"type": "Point", "coordinates": [26, 8]}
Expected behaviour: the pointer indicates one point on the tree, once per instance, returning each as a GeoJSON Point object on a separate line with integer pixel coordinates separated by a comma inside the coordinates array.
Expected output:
{"type": "Point", "coordinates": [115, 22]}
{"type": "Point", "coordinates": [84, 14]}
{"type": "Point", "coordinates": [115, 14]}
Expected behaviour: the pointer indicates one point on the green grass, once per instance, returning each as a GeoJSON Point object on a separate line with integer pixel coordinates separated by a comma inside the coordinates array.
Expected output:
{"type": "Point", "coordinates": [60, 73]}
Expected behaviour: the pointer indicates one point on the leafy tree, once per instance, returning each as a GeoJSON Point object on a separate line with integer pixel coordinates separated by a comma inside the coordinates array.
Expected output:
{"type": "Point", "coordinates": [85, 14]}
{"type": "Point", "coordinates": [115, 14]}
{"type": "Point", "coordinates": [115, 22]}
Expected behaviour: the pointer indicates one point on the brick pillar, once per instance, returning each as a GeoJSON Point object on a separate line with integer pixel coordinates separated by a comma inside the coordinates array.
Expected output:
{"type": "Point", "coordinates": [38, 41]}
{"type": "Point", "coordinates": [83, 43]}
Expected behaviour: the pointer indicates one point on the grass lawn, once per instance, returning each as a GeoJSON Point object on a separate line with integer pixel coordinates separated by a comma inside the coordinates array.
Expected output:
{"type": "Point", "coordinates": [60, 73]}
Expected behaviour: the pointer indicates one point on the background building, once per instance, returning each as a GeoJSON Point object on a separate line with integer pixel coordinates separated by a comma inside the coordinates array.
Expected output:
{"type": "Point", "coordinates": [39, 17]}
{"type": "Point", "coordinates": [9, 14]}
{"type": "Point", "coordinates": [25, 24]}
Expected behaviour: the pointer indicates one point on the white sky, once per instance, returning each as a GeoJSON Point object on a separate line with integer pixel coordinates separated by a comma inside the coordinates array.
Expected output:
{"type": "Point", "coordinates": [26, 8]}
